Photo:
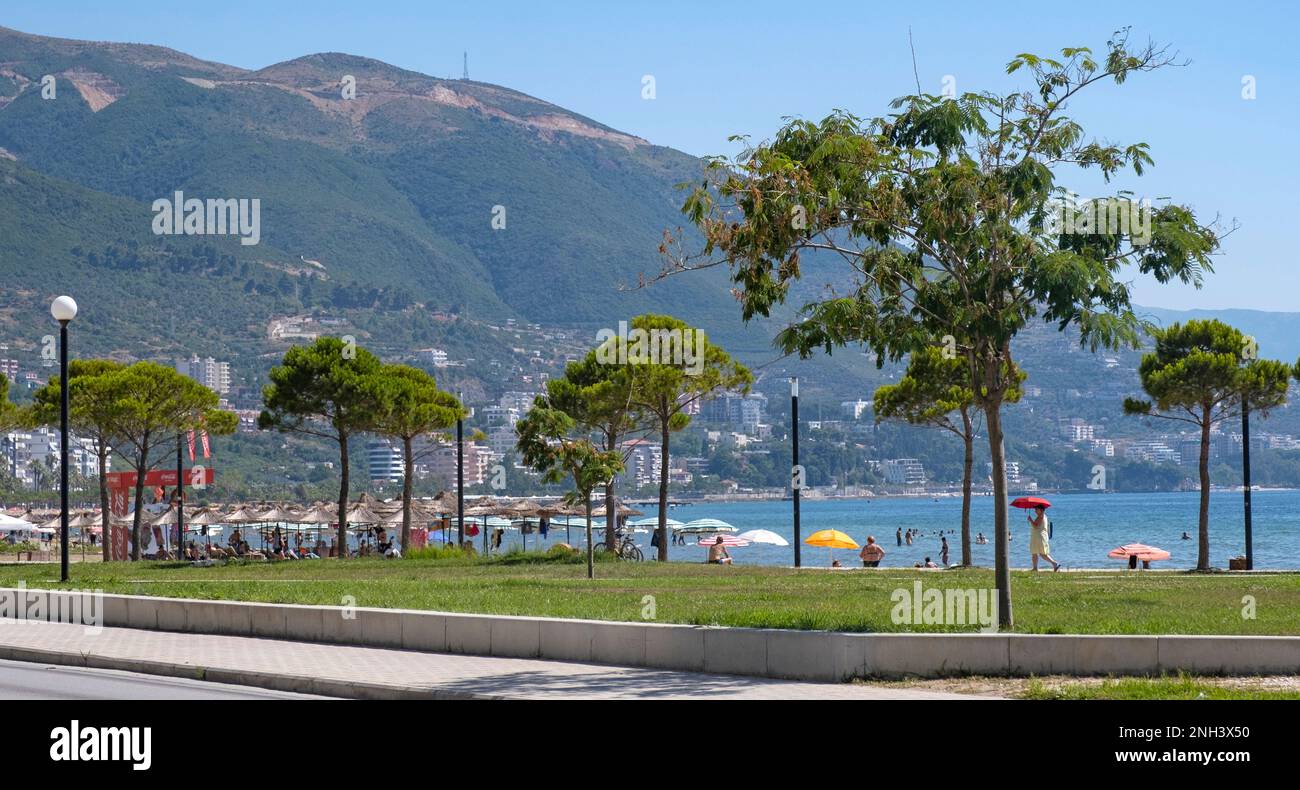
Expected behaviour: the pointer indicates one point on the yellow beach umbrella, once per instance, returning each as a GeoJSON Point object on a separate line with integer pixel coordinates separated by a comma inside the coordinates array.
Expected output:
{"type": "Point", "coordinates": [831, 539]}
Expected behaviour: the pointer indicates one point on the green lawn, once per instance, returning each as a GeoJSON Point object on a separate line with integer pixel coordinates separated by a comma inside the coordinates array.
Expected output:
{"type": "Point", "coordinates": [1183, 687]}
{"type": "Point", "coordinates": [856, 600]}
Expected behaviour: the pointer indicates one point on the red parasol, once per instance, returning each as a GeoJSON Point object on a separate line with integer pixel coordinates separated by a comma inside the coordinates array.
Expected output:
{"type": "Point", "coordinates": [1027, 502]}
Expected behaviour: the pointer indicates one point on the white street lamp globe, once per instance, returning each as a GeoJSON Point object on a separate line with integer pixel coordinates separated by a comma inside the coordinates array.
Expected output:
{"type": "Point", "coordinates": [64, 308]}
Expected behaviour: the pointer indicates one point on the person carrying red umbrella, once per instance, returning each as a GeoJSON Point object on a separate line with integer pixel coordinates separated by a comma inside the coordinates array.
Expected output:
{"type": "Point", "coordinates": [1039, 530]}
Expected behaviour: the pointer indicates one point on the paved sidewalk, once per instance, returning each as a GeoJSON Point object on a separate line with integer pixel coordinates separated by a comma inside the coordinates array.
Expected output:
{"type": "Point", "coordinates": [376, 673]}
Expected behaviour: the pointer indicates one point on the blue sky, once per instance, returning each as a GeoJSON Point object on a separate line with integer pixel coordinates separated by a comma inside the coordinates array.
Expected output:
{"type": "Point", "coordinates": [738, 67]}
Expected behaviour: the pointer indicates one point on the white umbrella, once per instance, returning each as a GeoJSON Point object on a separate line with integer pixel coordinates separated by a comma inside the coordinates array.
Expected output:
{"type": "Point", "coordinates": [764, 536]}
{"type": "Point", "coordinates": [10, 524]}
{"type": "Point", "coordinates": [702, 526]}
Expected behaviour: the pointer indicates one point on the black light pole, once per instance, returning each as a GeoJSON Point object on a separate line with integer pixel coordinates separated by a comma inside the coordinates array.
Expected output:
{"type": "Point", "coordinates": [795, 483]}
{"type": "Point", "coordinates": [460, 479]}
{"type": "Point", "coordinates": [64, 309]}
{"type": "Point", "coordinates": [1245, 478]}
{"type": "Point", "coordinates": [180, 501]}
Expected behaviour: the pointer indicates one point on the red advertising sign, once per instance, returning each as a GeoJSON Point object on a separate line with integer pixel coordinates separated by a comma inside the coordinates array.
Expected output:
{"type": "Point", "coordinates": [166, 478]}
{"type": "Point", "coordinates": [120, 488]}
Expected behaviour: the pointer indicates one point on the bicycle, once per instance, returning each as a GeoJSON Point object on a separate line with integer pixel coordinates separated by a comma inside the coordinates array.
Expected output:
{"type": "Point", "coordinates": [627, 549]}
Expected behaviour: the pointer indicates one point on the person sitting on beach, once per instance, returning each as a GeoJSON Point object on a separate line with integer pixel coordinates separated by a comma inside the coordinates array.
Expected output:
{"type": "Point", "coordinates": [929, 563]}
{"type": "Point", "coordinates": [718, 553]}
{"type": "Point", "coordinates": [872, 553]}
{"type": "Point", "coordinates": [835, 564]}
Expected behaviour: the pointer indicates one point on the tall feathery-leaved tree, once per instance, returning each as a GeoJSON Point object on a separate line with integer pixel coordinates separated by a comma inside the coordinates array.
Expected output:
{"type": "Point", "coordinates": [948, 218]}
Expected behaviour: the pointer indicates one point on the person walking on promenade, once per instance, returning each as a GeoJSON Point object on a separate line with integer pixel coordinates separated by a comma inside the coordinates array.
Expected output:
{"type": "Point", "coordinates": [1039, 544]}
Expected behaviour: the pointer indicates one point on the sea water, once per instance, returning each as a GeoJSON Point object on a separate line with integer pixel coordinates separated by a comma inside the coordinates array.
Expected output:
{"type": "Point", "coordinates": [1085, 528]}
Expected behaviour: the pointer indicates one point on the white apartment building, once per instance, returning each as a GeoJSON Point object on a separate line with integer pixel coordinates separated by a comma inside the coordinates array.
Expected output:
{"type": "Point", "coordinates": [25, 453]}
{"type": "Point", "coordinates": [854, 409]}
{"type": "Point", "coordinates": [903, 472]}
{"type": "Point", "coordinates": [384, 459]}
{"type": "Point", "coordinates": [1152, 452]}
{"type": "Point", "coordinates": [1013, 471]}
{"type": "Point", "coordinates": [502, 439]}
{"type": "Point", "coordinates": [643, 462]}
{"type": "Point", "coordinates": [209, 372]}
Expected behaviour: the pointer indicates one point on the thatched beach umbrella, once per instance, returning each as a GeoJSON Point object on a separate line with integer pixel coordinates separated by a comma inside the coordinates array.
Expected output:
{"type": "Point", "coordinates": [483, 507]}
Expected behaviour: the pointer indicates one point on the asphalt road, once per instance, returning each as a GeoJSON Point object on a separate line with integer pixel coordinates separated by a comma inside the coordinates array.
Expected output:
{"type": "Point", "coordinates": [21, 680]}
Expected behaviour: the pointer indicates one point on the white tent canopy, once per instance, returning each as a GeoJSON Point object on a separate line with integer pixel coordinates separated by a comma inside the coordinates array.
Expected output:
{"type": "Point", "coordinates": [10, 524]}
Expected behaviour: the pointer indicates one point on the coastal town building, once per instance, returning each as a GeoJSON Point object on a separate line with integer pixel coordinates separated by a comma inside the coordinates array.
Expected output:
{"type": "Point", "coordinates": [903, 472]}
{"type": "Point", "coordinates": [209, 372]}
{"type": "Point", "coordinates": [32, 457]}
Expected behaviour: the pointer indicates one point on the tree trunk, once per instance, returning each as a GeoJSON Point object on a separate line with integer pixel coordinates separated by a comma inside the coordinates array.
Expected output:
{"type": "Point", "coordinates": [343, 496]}
{"type": "Point", "coordinates": [141, 466]}
{"type": "Point", "coordinates": [611, 519]}
{"type": "Point", "coordinates": [408, 476]}
{"type": "Point", "coordinates": [1002, 564]}
{"type": "Point", "coordinates": [591, 565]}
{"type": "Point", "coordinates": [662, 529]}
{"type": "Point", "coordinates": [968, 438]}
{"type": "Point", "coordinates": [105, 514]}
{"type": "Point", "coordinates": [1203, 554]}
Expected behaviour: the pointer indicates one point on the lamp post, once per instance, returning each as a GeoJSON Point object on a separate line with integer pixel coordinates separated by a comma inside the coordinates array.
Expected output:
{"type": "Point", "coordinates": [460, 476]}
{"type": "Point", "coordinates": [180, 501]}
{"type": "Point", "coordinates": [796, 482]}
{"type": "Point", "coordinates": [64, 309]}
{"type": "Point", "coordinates": [1245, 479]}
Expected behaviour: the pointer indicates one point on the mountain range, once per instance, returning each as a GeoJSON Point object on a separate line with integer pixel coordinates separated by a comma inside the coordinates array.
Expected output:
{"type": "Point", "coordinates": [393, 197]}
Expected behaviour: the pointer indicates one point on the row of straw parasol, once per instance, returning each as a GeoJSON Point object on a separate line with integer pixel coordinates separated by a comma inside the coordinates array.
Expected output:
{"type": "Point", "coordinates": [364, 514]}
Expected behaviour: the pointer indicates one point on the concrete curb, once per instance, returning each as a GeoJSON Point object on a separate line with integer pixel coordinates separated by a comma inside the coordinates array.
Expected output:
{"type": "Point", "coordinates": [816, 656]}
